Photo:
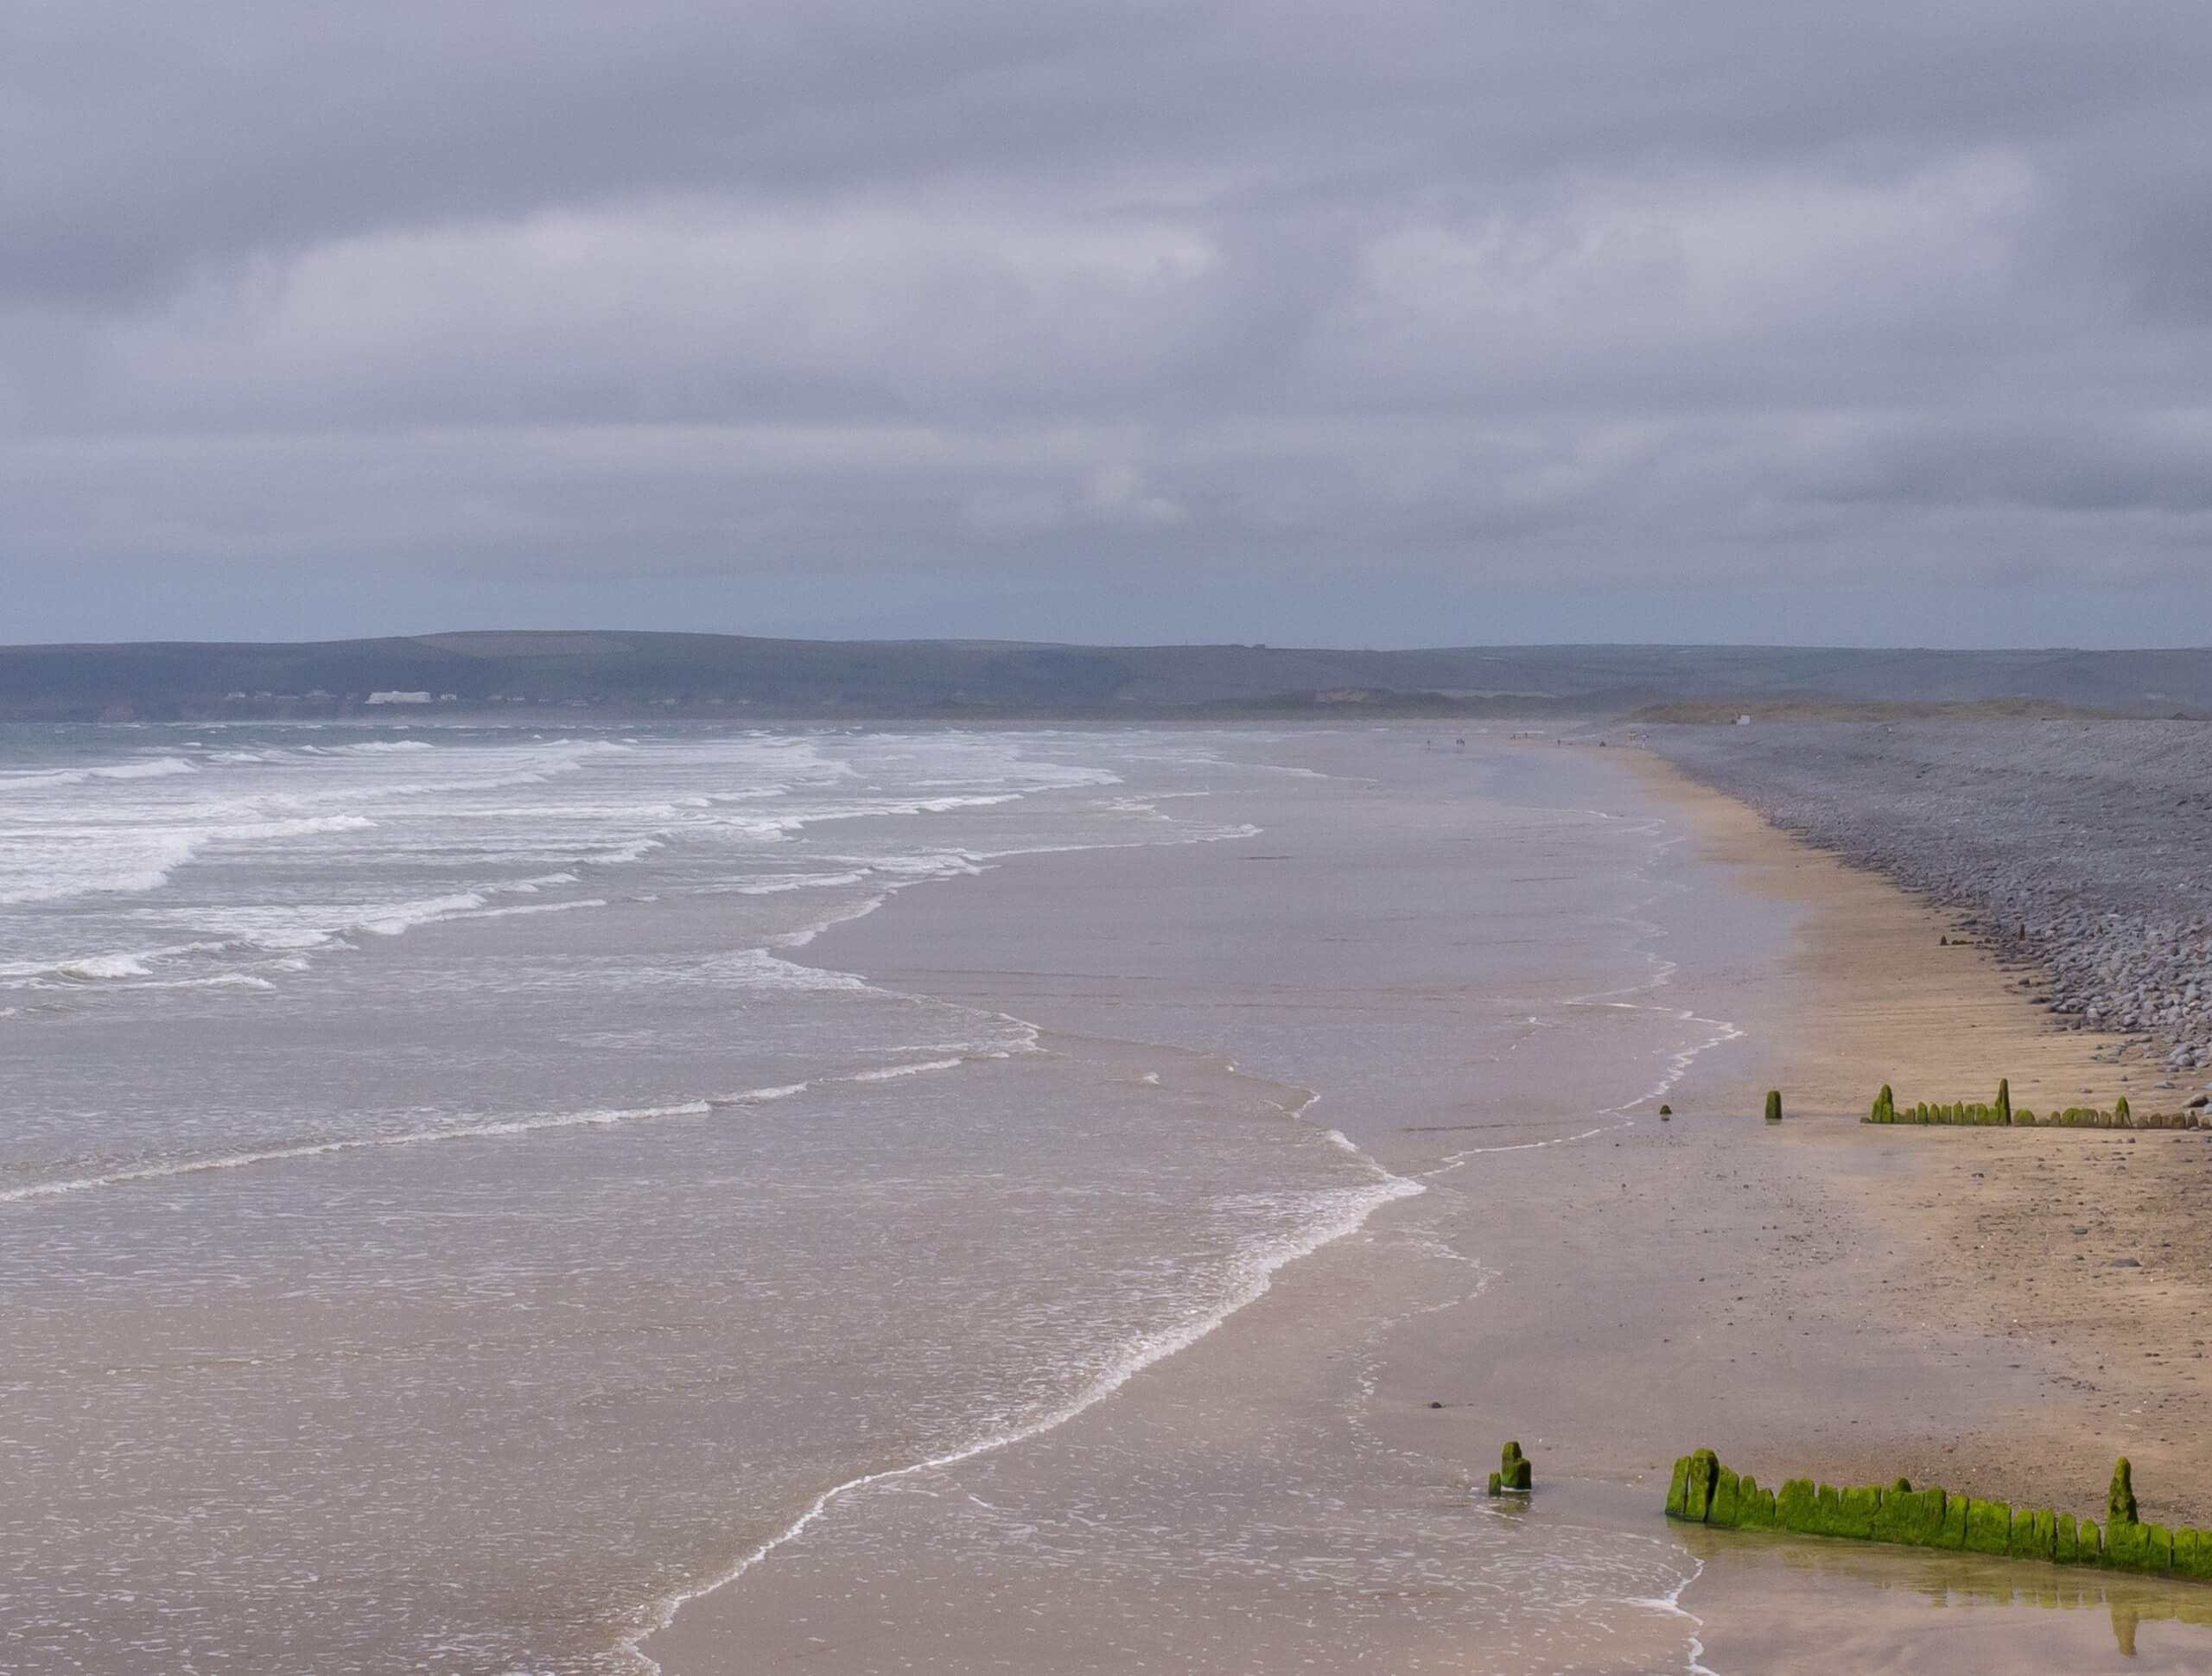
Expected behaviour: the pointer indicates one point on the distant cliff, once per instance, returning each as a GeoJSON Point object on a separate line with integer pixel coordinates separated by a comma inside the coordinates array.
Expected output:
{"type": "Point", "coordinates": [711, 674]}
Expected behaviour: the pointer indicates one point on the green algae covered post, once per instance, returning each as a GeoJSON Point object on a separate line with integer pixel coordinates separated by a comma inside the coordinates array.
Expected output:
{"type": "Point", "coordinates": [1913, 1517]}
{"type": "Point", "coordinates": [1796, 1507]}
{"type": "Point", "coordinates": [2035, 1533]}
{"type": "Point", "coordinates": [1856, 1511]}
{"type": "Point", "coordinates": [2003, 1100]}
{"type": "Point", "coordinates": [2159, 1543]}
{"type": "Point", "coordinates": [1827, 1511]}
{"type": "Point", "coordinates": [2119, 1500]}
{"type": "Point", "coordinates": [1774, 1105]}
{"type": "Point", "coordinates": [1954, 1534]}
{"type": "Point", "coordinates": [2124, 1548]}
{"type": "Point", "coordinates": [1989, 1526]}
{"type": "Point", "coordinates": [1724, 1511]}
{"type": "Point", "coordinates": [1512, 1477]}
{"type": "Point", "coordinates": [1515, 1474]}
{"type": "Point", "coordinates": [2185, 1543]}
{"type": "Point", "coordinates": [1704, 1491]}
{"type": "Point", "coordinates": [2193, 1554]}
{"type": "Point", "coordinates": [1697, 1496]}
{"type": "Point", "coordinates": [1754, 1506]}
{"type": "Point", "coordinates": [1893, 1505]}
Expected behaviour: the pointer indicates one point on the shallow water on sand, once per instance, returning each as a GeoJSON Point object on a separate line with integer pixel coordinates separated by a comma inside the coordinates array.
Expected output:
{"type": "Point", "coordinates": [1461, 976]}
{"type": "Point", "coordinates": [441, 1218]}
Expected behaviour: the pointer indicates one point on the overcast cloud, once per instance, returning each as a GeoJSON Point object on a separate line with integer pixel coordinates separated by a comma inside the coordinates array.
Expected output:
{"type": "Point", "coordinates": [1380, 324]}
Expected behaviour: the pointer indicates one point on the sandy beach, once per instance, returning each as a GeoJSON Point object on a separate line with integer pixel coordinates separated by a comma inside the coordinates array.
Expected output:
{"type": "Point", "coordinates": [1822, 1298]}
{"type": "Point", "coordinates": [2011, 1237]}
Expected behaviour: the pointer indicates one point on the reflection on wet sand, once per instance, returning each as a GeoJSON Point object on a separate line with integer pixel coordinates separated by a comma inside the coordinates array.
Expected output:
{"type": "Point", "coordinates": [1967, 1581]}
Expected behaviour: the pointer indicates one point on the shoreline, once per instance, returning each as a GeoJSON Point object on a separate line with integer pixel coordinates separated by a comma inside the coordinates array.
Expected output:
{"type": "Point", "coordinates": [2075, 848]}
{"type": "Point", "coordinates": [1168, 1341]}
{"type": "Point", "coordinates": [1813, 952]}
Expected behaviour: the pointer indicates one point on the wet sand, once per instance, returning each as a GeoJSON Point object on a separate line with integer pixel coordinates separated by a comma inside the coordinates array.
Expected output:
{"type": "Point", "coordinates": [1300, 1487]}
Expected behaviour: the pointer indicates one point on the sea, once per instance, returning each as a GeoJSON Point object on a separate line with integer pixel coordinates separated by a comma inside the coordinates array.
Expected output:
{"type": "Point", "coordinates": [447, 1219]}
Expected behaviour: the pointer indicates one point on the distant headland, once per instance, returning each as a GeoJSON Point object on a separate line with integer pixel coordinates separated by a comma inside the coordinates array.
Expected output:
{"type": "Point", "coordinates": [631, 673]}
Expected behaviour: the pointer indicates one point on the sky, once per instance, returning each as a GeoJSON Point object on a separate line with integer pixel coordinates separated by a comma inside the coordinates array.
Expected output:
{"type": "Point", "coordinates": [1390, 324]}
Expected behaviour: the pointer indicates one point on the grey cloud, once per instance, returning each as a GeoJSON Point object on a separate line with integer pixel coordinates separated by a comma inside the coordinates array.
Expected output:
{"type": "Point", "coordinates": [1311, 321]}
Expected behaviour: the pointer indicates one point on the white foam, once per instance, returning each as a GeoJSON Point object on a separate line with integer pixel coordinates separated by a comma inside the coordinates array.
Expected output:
{"type": "Point", "coordinates": [803, 881]}
{"type": "Point", "coordinates": [756, 968]}
{"type": "Point", "coordinates": [616, 855]}
{"type": "Point", "coordinates": [154, 769]}
{"type": "Point", "coordinates": [763, 1096]}
{"type": "Point", "coordinates": [105, 966]}
{"type": "Point", "coordinates": [805, 934]}
{"type": "Point", "coordinates": [406, 916]}
{"type": "Point", "coordinates": [157, 769]}
{"type": "Point", "coordinates": [888, 1073]}
{"type": "Point", "coordinates": [521, 909]}
{"type": "Point", "coordinates": [118, 963]}
{"type": "Point", "coordinates": [53, 864]}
